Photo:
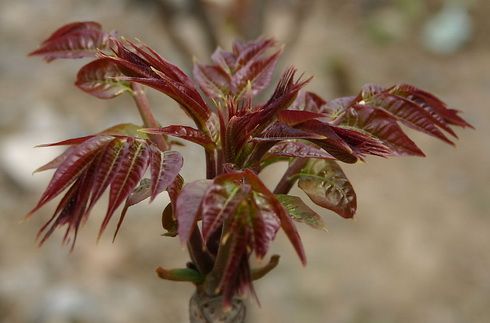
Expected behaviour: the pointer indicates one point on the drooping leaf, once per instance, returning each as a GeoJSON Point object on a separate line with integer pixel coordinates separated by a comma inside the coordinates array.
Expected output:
{"type": "Point", "coordinates": [73, 165]}
{"type": "Point", "coordinates": [165, 166]}
{"type": "Point", "coordinates": [276, 208]}
{"type": "Point", "coordinates": [71, 210]}
{"type": "Point", "coordinates": [326, 185]}
{"type": "Point", "coordinates": [100, 79]}
{"type": "Point", "coordinates": [188, 207]}
{"type": "Point", "coordinates": [107, 166]}
{"type": "Point", "coordinates": [169, 223]}
{"type": "Point", "coordinates": [129, 173]}
{"type": "Point", "coordinates": [265, 221]}
{"type": "Point", "coordinates": [140, 193]}
{"type": "Point", "coordinates": [300, 212]}
{"type": "Point", "coordinates": [56, 162]}
{"type": "Point", "coordinates": [76, 40]}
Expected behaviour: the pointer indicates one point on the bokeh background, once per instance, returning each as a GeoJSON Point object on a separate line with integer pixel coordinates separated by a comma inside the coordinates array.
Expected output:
{"type": "Point", "coordinates": [419, 248]}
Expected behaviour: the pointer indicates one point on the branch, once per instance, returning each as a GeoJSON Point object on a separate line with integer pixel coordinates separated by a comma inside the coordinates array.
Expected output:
{"type": "Point", "coordinates": [147, 116]}
{"type": "Point", "coordinates": [289, 178]}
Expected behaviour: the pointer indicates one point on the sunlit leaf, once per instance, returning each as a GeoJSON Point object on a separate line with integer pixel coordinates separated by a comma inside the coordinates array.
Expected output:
{"type": "Point", "coordinates": [76, 40]}
{"type": "Point", "coordinates": [382, 126]}
{"type": "Point", "coordinates": [300, 212]}
{"type": "Point", "coordinates": [326, 185]}
{"type": "Point", "coordinates": [298, 149]}
{"type": "Point", "coordinates": [100, 79]}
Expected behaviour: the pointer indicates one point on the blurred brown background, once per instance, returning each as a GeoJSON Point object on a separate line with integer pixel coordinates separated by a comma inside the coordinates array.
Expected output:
{"type": "Point", "coordinates": [419, 249]}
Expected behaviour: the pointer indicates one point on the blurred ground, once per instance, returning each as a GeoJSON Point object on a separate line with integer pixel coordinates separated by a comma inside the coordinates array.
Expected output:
{"type": "Point", "coordinates": [419, 250]}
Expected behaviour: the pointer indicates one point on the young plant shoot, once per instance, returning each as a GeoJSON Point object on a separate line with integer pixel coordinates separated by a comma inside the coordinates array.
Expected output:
{"type": "Point", "coordinates": [231, 215]}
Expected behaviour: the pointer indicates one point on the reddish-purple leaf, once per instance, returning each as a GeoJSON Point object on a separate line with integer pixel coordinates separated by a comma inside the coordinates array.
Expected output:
{"type": "Point", "coordinates": [161, 65]}
{"type": "Point", "coordinates": [73, 27]}
{"type": "Point", "coordinates": [409, 113]}
{"type": "Point", "coordinates": [139, 194]}
{"type": "Point", "coordinates": [188, 207]}
{"type": "Point", "coordinates": [143, 65]}
{"type": "Point", "coordinates": [295, 117]}
{"type": "Point", "coordinates": [107, 165]}
{"type": "Point", "coordinates": [165, 166]}
{"type": "Point", "coordinates": [213, 80]}
{"type": "Point", "coordinates": [257, 73]}
{"type": "Point", "coordinates": [336, 107]}
{"type": "Point", "coordinates": [362, 143]}
{"type": "Point", "coordinates": [299, 149]}
{"type": "Point", "coordinates": [129, 173]}
{"type": "Point", "coordinates": [174, 189]}
{"type": "Point", "coordinates": [67, 142]}
{"type": "Point", "coordinates": [184, 132]}
{"type": "Point", "coordinates": [55, 163]}
{"type": "Point", "coordinates": [326, 185]}
{"type": "Point", "coordinates": [383, 126]}
{"type": "Point", "coordinates": [300, 212]}
{"type": "Point", "coordinates": [237, 269]}
{"type": "Point", "coordinates": [280, 212]}
{"type": "Point", "coordinates": [100, 79]}
{"type": "Point", "coordinates": [187, 99]}
{"type": "Point", "coordinates": [73, 165]}
{"type": "Point", "coordinates": [280, 131]}
{"type": "Point", "coordinates": [76, 40]}
{"type": "Point", "coordinates": [71, 210]}
{"type": "Point", "coordinates": [265, 222]}
{"type": "Point", "coordinates": [431, 103]}
{"type": "Point", "coordinates": [331, 141]}
{"type": "Point", "coordinates": [251, 50]}
{"type": "Point", "coordinates": [220, 202]}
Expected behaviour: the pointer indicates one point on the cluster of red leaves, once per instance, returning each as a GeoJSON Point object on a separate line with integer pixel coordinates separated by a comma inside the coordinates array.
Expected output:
{"type": "Point", "coordinates": [92, 164]}
{"type": "Point", "coordinates": [240, 137]}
